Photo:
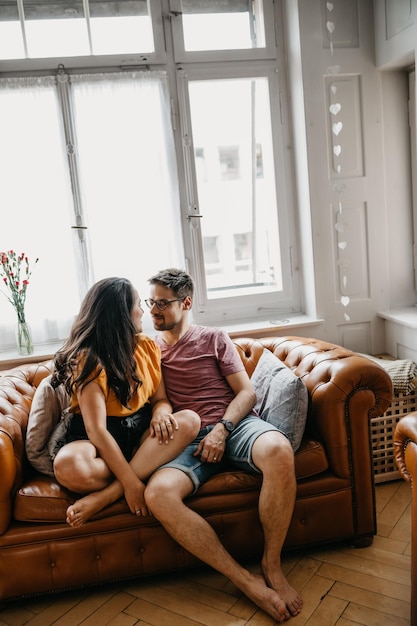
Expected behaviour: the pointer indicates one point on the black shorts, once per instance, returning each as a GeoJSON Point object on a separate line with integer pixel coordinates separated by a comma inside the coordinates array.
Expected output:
{"type": "Point", "coordinates": [126, 431]}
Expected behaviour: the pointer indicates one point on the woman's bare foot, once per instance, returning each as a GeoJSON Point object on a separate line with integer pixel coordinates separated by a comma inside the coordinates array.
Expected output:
{"type": "Point", "coordinates": [83, 509]}
{"type": "Point", "coordinates": [277, 581]}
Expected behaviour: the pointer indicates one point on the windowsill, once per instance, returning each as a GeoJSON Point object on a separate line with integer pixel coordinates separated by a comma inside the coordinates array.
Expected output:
{"type": "Point", "coordinates": [283, 326]}
{"type": "Point", "coordinates": [42, 352]}
{"type": "Point", "coordinates": [406, 316]}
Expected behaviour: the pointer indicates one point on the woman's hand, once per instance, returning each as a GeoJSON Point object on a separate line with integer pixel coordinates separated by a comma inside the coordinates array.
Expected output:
{"type": "Point", "coordinates": [162, 426]}
{"type": "Point", "coordinates": [134, 495]}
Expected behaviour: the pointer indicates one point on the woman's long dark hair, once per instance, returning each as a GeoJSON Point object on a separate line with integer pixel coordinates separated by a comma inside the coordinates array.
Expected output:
{"type": "Point", "coordinates": [104, 335]}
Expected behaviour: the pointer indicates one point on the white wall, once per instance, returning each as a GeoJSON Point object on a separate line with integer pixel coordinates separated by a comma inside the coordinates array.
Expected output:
{"type": "Point", "coordinates": [358, 174]}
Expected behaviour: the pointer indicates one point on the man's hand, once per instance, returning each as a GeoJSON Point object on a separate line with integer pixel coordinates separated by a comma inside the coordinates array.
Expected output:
{"type": "Point", "coordinates": [211, 448]}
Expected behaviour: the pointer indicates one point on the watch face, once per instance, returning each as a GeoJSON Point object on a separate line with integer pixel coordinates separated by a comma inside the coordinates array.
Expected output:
{"type": "Point", "coordinates": [228, 425]}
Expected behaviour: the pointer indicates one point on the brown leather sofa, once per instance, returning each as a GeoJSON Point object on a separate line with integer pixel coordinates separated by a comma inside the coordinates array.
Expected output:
{"type": "Point", "coordinates": [40, 553]}
{"type": "Point", "coordinates": [405, 446]}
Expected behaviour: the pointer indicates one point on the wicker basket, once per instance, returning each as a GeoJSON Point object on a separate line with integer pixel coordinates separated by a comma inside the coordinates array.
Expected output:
{"type": "Point", "coordinates": [382, 432]}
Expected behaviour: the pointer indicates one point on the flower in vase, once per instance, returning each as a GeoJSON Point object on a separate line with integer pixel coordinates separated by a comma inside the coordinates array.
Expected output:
{"type": "Point", "coordinates": [15, 272]}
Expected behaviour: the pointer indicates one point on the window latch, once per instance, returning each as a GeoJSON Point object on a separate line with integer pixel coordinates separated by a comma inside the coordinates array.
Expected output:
{"type": "Point", "coordinates": [195, 214]}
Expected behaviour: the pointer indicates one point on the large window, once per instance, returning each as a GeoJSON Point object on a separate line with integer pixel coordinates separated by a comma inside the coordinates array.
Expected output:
{"type": "Point", "coordinates": [236, 189]}
{"type": "Point", "coordinates": [138, 135]}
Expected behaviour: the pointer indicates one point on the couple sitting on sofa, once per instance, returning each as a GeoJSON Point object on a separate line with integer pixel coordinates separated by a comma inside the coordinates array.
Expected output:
{"type": "Point", "coordinates": [204, 420]}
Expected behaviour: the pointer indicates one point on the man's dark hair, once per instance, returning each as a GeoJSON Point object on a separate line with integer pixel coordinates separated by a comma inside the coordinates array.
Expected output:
{"type": "Point", "coordinates": [178, 281]}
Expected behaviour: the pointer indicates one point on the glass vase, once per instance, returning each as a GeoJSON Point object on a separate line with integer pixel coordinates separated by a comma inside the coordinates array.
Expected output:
{"type": "Point", "coordinates": [24, 338]}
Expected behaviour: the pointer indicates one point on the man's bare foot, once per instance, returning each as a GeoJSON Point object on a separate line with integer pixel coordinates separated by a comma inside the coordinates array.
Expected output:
{"type": "Point", "coordinates": [83, 509]}
{"type": "Point", "coordinates": [277, 581]}
{"type": "Point", "coordinates": [266, 598]}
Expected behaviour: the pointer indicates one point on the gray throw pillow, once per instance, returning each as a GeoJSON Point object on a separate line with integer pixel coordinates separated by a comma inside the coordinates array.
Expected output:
{"type": "Point", "coordinates": [282, 397]}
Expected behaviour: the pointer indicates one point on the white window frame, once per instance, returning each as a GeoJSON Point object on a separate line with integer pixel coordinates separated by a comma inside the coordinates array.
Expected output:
{"type": "Point", "coordinates": [256, 306]}
{"type": "Point", "coordinates": [182, 55]}
{"type": "Point", "coordinates": [99, 61]}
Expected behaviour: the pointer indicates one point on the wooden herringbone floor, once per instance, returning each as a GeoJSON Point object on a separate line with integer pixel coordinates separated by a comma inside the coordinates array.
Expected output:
{"type": "Point", "coordinates": [339, 585]}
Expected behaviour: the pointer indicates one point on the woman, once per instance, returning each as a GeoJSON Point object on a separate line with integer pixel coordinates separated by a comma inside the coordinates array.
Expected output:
{"type": "Point", "coordinates": [122, 427]}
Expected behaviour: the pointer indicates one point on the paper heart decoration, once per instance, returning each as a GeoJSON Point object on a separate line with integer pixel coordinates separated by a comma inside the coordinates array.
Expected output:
{"type": "Point", "coordinates": [329, 6]}
{"type": "Point", "coordinates": [339, 188]}
{"type": "Point", "coordinates": [347, 317]}
{"type": "Point", "coordinates": [336, 128]}
{"type": "Point", "coordinates": [333, 69]}
{"type": "Point", "coordinates": [342, 245]}
{"type": "Point", "coordinates": [333, 89]}
{"type": "Point", "coordinates": [335, 108]}
{"type": "Point", "coordinates": [345, 300]}
{"type": "Point", "coordinates": [337, 150]}
{"type": "Point", "coordinates": [340, 227]}
{"type": "Point", "coordinates": [330, 27]}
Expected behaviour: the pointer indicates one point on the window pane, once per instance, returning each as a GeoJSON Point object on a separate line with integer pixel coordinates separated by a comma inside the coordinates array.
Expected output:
{"type": "Point", "coordinates": [60, 28]}
{"type": "Point", "coordinates": [118, 27]}
{"type": "Point", "coordinates": [56, 29]}
{"type": "Point", "coordinates": [11, 40]}
{"type": "Point", "coordinates": [222, 25]}
{"type": "Point", "coordinates": [236, 185]}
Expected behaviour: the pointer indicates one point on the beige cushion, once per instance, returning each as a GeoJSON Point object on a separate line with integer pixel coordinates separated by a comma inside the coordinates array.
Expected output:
{"type": "Point", "coordinates": [48, 406]}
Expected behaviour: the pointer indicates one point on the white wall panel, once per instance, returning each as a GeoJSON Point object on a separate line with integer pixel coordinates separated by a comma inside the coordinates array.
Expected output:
{"type": "Point", "coordinates": [345, 126]}
{"type": "Point", "coordinates": [356, 336]}
{"type": "Point", "coordinates": [348, 208]}
{"type": "Point", "coordinates": [351, 253]}
{"type": "Point", "coordinates": [346, 15]}
{"type": "Point", "coordinates": [398, 16]}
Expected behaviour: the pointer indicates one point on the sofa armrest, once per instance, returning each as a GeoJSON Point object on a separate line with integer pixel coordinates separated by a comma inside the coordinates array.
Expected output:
{"type": "Point", "coordinates": [17, 387]}
{"type": "Point", "coordinates": [345, 391]}
{"type": "Point", "coordinates": [405, 447]}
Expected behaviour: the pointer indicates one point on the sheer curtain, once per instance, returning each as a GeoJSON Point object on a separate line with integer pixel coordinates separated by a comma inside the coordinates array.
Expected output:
{"type": "Point", "coordinates": [36, 207]}
{"type": "Point", "coordinates": [128, 175]}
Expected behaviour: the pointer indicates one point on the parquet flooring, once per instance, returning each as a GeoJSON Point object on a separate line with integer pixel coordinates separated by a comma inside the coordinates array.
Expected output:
{"type": "Point", "coordinates": [339, 585]}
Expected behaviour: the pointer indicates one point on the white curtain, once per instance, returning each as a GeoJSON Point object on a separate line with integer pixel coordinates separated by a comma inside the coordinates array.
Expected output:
{"type": "Point", "coordinates": [128, 181]}
{"type": "Point", "coordinates": [36, 207]}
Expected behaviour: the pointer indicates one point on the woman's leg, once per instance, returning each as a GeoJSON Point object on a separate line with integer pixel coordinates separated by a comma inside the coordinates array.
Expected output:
{"type": "Point", "coordinates": [149, 456]}
{"type": "Point", "coordinates": [78, 468]}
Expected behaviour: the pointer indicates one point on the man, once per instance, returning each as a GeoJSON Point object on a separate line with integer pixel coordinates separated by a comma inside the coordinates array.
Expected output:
{"type": "Point", "coordinates": [203, 371]}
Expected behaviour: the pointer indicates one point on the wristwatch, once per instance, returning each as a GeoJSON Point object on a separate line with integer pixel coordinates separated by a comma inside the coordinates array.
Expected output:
{"type": "Point", "coordinates": [229, 426]}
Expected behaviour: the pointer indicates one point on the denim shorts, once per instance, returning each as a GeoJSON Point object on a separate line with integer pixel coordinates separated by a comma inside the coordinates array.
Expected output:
{"type": "Point", "coordinates": [238, 453]}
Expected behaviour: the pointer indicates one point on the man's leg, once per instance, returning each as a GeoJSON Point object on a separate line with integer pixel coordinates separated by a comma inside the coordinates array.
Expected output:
{"type": "Point", "coordinates": [164, 495]}
{"type": "Point", "coordinates": [149, 456]}
{"type": "Point", "coordinates": [273, 456]}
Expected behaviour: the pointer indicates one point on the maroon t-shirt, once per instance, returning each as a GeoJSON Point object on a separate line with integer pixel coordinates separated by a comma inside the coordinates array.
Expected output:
{"type": "Point", "coordinates": [194, 371]}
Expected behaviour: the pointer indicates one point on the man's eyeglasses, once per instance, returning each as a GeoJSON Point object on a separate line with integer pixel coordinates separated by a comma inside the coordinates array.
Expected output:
{"type": "Point", "coordinates": [161, 305]}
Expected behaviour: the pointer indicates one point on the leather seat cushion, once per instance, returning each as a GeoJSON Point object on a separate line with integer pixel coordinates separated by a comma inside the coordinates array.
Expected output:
{"type": "Point", "coordinates": [42, 499]}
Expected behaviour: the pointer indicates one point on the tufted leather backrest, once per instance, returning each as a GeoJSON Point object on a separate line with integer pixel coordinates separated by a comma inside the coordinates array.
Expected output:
{"type": "Point", "coordinates": [17, 387]}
